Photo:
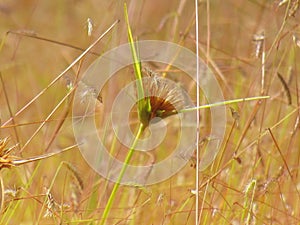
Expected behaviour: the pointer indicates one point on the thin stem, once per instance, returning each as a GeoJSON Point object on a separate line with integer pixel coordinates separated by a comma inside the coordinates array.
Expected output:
{"type": "Point", "coordinates": [35, 36]}
{"type": "Point", "coordinates": [62, 73]}
{"type": "Point", "coordinates": [144, 106]}
{"type": "Point", "coordinates": [198, 115]}
{"type": "Point", "coordinates": [223, 103]}
{"type": "Point", "coordinates": [123, 169]}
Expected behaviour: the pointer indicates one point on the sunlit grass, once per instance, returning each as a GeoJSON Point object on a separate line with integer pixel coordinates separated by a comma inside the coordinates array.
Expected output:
{"type": "Point", "coordinates": [253, 180]}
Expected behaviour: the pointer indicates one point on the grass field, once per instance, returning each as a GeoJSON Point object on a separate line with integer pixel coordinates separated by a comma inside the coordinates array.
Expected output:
{"type": "Point", "coordinates": [252, 47]}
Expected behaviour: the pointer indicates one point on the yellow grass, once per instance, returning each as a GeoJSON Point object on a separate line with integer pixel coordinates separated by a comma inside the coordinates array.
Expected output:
{"type": "Point", "coordinates": [254, 178]}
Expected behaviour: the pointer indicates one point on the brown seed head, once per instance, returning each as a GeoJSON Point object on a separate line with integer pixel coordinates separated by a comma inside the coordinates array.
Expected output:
{"type": "Point", "coordinates": [6, 161]}
{"type": "Point", "coordinates": [166, 98]}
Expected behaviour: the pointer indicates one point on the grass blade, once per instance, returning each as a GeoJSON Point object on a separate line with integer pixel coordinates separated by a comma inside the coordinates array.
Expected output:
{"type": "Point", "coordinates": [224, 103]}
{"type": "Point", "coordinates": [144, 107]}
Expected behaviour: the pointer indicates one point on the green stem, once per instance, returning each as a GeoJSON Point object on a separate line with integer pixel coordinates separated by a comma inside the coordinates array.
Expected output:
{"type": "Point", "coordinates": [123, 169]}
{"type": "Point", "coordinates": [223, 103]}
{"type": "Point", "coordinates": [144, 106]}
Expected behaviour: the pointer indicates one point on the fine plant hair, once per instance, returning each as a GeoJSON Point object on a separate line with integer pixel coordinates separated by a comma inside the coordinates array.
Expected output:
{"type": "Point", "coordinates": [286, 88]}
{"type": "Point", "coordinates": [76, 176]}
{"type": "Point", "coordinates": [50, 204]}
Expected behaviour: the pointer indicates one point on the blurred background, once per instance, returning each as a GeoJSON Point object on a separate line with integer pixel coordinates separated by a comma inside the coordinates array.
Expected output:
{"type": "Point", "coordinates": [251, 46]}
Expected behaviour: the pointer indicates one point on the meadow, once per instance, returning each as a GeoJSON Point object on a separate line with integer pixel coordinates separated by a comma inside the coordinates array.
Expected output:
{"type": "Point", "coordinates": [251, 47]}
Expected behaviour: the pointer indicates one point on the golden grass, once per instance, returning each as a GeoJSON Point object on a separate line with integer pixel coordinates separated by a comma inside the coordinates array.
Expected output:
{"type": "Point", "coordinates": [253, 180]}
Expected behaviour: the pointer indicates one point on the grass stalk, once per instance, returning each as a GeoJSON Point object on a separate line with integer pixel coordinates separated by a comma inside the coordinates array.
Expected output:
{"type": "Point", "coordinates": [123, 169]}
{"type": "Point", "coordinates": [249, 200]}
{"type": "Point", "coordinates": [223, 103]}
{"type": "Point", "coordinates": [62, 73]}
{"type": "Point", "coordinates": [144, 106]}
{"type": "Point", "coordinates": [144, 109]}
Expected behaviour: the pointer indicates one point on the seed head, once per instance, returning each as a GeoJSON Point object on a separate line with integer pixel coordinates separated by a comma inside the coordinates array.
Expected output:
{"type": "Point", "coordinates": [165, 97]}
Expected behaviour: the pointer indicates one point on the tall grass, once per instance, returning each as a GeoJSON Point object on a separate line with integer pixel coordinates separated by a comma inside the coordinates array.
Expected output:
{"type": "Point", "coordinates": [253, 180]}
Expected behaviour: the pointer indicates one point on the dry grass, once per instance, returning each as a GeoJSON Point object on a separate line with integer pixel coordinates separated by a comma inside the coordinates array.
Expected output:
{"type": "Point", "coordinates": [253, 48]}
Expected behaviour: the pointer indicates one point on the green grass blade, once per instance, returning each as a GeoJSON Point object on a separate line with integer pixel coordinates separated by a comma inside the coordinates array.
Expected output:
{"type": "Point", "coordinates": [123, 169]}
{"type": "Point", "coordinates": [144, 107]}
{"type": "Point", "coordinates": [224, 103]}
